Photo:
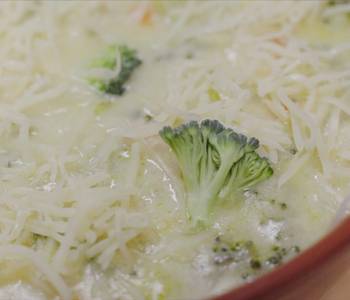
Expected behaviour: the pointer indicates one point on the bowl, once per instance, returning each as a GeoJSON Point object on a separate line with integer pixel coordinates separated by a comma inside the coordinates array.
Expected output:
{"type": "Point", "coordinates": [321, 272]}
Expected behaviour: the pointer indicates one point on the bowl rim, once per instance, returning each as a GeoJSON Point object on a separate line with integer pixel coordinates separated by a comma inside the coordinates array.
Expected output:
{"type": "Point", "coordinates": [316, 255]}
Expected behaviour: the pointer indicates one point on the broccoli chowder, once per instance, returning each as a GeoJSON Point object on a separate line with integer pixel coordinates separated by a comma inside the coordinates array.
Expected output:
{"type": "Point", "coordinates": [167, 150]}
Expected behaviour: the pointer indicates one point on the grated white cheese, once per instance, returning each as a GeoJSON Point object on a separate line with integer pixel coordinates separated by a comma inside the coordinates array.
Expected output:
{"type": "Point", "coordinates": [84, 177]}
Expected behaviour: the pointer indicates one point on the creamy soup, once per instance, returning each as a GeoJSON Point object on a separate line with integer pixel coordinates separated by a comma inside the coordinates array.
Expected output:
{"type": "Point", "coordinates": [96, 204]}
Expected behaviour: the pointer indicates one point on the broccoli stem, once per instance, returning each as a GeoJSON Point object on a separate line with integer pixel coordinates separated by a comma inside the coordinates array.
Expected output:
{"type": "Point", "coordinates": [198, 205]}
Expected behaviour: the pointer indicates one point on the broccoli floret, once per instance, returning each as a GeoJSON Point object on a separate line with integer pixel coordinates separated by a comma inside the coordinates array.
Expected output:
{"type": "Point", "coordinates": [336, 2]}
{"type": "Point", "coordinates": [226, 252]}
{"type": "Point", "coordinates": [215, 161]}
{"type": "Point", "coordinates": [129, 62]}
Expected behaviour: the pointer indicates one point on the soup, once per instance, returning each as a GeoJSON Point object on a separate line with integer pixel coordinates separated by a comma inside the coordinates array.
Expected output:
{"type": "Point", "coordinates": [167, 150]}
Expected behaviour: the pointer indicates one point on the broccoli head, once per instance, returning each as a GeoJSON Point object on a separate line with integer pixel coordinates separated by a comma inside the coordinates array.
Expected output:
{"type": "Point", "coordinates": [129, 62]}
{"type": "Point", "coordinates": [215, 162]}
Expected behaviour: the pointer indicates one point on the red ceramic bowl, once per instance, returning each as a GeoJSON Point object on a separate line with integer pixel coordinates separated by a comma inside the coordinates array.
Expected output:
{"type": "Point", "coordinates": [321, 272]}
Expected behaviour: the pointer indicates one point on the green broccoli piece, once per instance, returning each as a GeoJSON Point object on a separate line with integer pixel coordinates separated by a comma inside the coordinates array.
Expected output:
{"type": "Point", "coordinates": [129, 62]}
{"type": "Point", "coordinates": [336, 2]}
{"type": "Point", "coordinates": [214, 161]}
{"type": "Point", "coordinates": [226, 252]}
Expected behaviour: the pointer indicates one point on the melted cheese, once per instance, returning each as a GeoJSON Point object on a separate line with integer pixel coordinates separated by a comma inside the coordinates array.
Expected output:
{"type": "Point", "coordinates": [87, 186]}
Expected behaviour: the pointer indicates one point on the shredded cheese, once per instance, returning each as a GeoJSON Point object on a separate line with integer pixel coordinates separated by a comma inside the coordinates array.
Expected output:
{"type": "Point", "coordinates": [75, 185]}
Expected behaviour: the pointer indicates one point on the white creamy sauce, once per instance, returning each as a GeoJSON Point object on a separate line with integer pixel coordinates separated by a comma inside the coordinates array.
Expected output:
{"type": "Point", "coordinates": [92, 202]}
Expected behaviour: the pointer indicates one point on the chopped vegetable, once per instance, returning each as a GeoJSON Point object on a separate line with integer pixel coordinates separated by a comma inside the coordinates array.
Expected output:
{"type": "Point", "coordinates": [228, 251]}
{"type": "Point", "coordinates": [128, 63]}
{"type": "Point", "coordinates": [280, 254]}
{"type": "Point", "coordinates": [215, 162]}
{"type": "Point", "coordinates": [336, 2]}
{"type": "Point", "coordinates": [213, 94]}
{"type": "Point", "coordinates": [283, 205]}
{"type": "Point", "coordinates": [255, 264]}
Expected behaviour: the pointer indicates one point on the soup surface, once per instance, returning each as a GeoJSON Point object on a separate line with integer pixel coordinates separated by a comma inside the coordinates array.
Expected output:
{"type": "Point", "coordinates": [93, 202]}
